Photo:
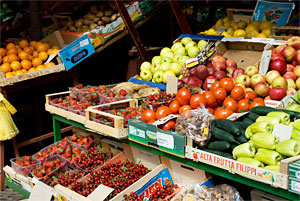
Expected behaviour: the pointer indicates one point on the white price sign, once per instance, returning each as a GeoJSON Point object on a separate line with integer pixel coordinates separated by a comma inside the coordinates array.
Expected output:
{"type": "Point", "coordinates": [165, 140]}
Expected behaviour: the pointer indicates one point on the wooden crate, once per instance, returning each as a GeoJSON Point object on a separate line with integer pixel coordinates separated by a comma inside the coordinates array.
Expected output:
{"type": "Point", "coordinates": [234, 15]}
{"type": "Point", "coordinates": [292, 31]}
{"type": "Point", "coordinates": [276, 179]}
{"type": "Point", "coordinates": [118, 130]}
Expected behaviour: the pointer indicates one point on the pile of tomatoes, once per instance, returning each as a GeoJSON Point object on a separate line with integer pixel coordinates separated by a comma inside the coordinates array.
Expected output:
{"type": "Point", "coordinates": [222, 100]}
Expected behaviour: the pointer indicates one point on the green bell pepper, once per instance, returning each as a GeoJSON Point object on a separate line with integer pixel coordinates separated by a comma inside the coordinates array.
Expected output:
{"type": "Point", "coordinates": [284, 117]}
{"type": "Point", "coordinates": [288, 147]}
{"type": "Point", "coordinates": [264, 140]}
{"type": "Point", "coordinates": [295, 134]}
{"type": "Point", "coordinates": [268, 157]}
{"type": "Point", "coordinates": [251, 161]}
{"type": "Point", "coordinates": [258, 127]}
{"type": "Point", "coordinates": [274, 168]}
{"type": "Point", "coordinates": [272, 120]}
{"type": "Point", "coordinates": [243, 150]}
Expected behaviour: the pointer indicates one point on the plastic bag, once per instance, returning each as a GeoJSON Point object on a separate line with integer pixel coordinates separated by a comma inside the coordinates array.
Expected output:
{"type": "Point", "coordinates": [196, 124]}
{"type": "Point", "coordinates": [196, 192]}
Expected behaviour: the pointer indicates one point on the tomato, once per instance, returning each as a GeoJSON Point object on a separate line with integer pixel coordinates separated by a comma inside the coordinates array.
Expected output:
{"type": "Point", "coordinates": [215, 85]}
{"type": "Point", "coordinates": [184, 108]}
{"type": "Point", "coordinates": [197, 100]}
{"type": "Point", "coordinates": [162, 112]}
{"type": "Point", "coordinates": [174, 106]}
{"type": "Point", "coordinates": [243, 105]}
{"type": "Point", "coordinates": [257, 102]}
{"type": "Point", "coordinates": [183, 96]}
{"type": "Point", "coordinates": [151, 121]}
{"type": "Point", "coordinates": [148, 115]}
{"type": "Point", "coordinates": [210, 98]}
{"type": "Point", "coordinates": [211, 111]}
{"type": "Point", "coordinates": [231, 104]}
{"type": "Point", "coordinates": [250, 95]}
{"type": "Point", "coordinates": [169, 125]}
{"type": "Point", "coordinates": [237, 93]}
{"type": "Point", "coordinates": [220, 93]}
{"type": "Point", "coordinates": [227, 83]}
{"type": "Point", "coordinates": [223, 113]}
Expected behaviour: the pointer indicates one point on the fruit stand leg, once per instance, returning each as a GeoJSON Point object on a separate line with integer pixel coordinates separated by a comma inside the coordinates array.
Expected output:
{"type": "Point", "coordinates": [56, 129]}
{"type": "Point", "coordinates": [2, 165]}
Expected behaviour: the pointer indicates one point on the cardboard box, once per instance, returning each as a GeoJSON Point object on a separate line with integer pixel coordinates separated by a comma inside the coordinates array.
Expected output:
{"type": "Point", "coordinates": [150, 135]}
{"type": "Point", "coordinates": [258, 195]}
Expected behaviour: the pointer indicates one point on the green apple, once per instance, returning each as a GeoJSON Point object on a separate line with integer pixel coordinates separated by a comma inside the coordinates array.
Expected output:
{"type": "Point", "coordinates": [158, 76]}
{"type": "Point", "coordinates": [146, 75]}
{"type": "Point", "coordinates": [180, 51]}
{"type": "Point", "coordinates": [298, 95]}
{"type": "Point", "coordinates": [192, 51]}
{"type": "Point", "coordinates": [185, 40]}
{"type": "Point", "coordinates": [156, 60]}
{"type": "Point", "coordinates": [165, 66]}
{"type": "Point", "coordinates": [155, 68]}
{"type": "Point", "coordinates": [146, 65]}
{"type": "Point", "coordinates": [180, 77]}
{"type": "Point", "coordinates": [201, 44]}
{"type": "Point", "coordinates": [190, 44]}
{"type": "Point", "coordinates": [167, 60]}
{"type": "Point", "coordinates": [169, 54]}
{"type": "Point", "coordinates": [166, 74]}
{"type": "Point", "coordinates": [176, 58]}
{"type": "Point", "coordinates": [176, 68]}
{"type": "Point", "coordinates": [164, 51]}
{"type": "Point", "coordinates": [176, 45]}
{"type": "Point", "coordinates": [183, 59]}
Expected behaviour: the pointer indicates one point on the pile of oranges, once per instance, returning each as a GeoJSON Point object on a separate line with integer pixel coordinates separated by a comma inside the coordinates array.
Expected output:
{"type": "Point", "coordinates": [25, 57]}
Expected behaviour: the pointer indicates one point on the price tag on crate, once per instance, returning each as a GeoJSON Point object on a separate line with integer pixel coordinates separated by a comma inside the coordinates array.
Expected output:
{"type": "Point", "coordinates": [76, 52]}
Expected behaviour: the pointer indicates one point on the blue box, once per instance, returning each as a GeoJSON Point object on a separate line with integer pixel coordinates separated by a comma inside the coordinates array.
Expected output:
{"type": "Point", "coordinates": [76, 52]}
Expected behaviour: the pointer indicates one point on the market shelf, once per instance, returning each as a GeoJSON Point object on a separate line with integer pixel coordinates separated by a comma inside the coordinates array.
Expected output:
{"type": "Point", "coordinates": [57, 120]}
{"type": "Point", "coordinates": [17, 188]}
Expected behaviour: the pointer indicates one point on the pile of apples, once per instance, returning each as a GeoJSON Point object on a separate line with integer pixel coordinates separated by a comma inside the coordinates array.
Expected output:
{"type": "Point", "coordinates": [170, 60]}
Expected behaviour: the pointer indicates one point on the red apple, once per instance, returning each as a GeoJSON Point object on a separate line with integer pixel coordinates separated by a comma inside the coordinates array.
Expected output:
{"type": "Point", "coordinates": [218, 58]}
{"type": "Point", "coordinates": [231, 63]}
{"type": "Point", "coordinates": [229, 71]}
{"type": "Point", "coordinates": [219, 74]}
{"type": "Point", "coordinates": [290, 75]}
{"type": "Point", "coordinates": [278, 49]}
{"type": "Point", "coordinates": [216, 54]}
{"type": "Point", "coordinates": [267, 98]}
{"type": "Point", "coordinates": [271, 75]}
{"type": "Point", "coordinates": [243, 79]}
{"type": "Point", "coordinates": [185, 79]}
{"type": "Point", "coordinates": [195, 81]}
{"type": "Point", "coordinates": [297, 57]}
{"type": "Point", "coordinates": [261, 89]}
{"type": "Point", "coordinates": [291, 84]}
{"type": "Point", "coordinates": [257, 78]}
{"type": "Point", "coordinates": [277, 56]}
{"type": "Point", "coordinates": [289, 53]}
{"type": "Point", "coordinates": [291, 91]}
{"type": "Point", "coordinates": [219, 65]}
{"type": "Point", "coordinates": [294, 62]}
{"type": "Point", "coordinates": [297, 71]}
{"type": "Point", "coordinates": [290, 68]}
{"type": "Point", "coordinates": [208, 82]}
{"type": "Point", "coordinates": [210, 68]}
{"type": "Point", "coordinates": [251, 70]}
{"type": "Point", "coordinates": [248, 89]}
{"type": "Point", "coordinates": [277, 93]}
{"type": "Point", "coordinates": [238, 71]}
{"type": "Point", "coordinates": [294, 42]}
{"type": "Point", "coordinates": [278, 65]}
{"type": "Point", "coordinates": [280, 82]}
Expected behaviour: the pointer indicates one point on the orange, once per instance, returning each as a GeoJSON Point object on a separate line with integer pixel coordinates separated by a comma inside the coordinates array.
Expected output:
{"type": "Point", "coordinates": [26, 64]}
{"type": "Point", "coordinates": [9, 74]}
{"type": "Point", "coordinates": [55, 51]}
{"type": "Point", "coordinates": [49, 51]}
{"type": "Point", "coordinates": [0, 59]}
{"type": "Point", "coordinates": [37, 44]}
{"type": "Point", "coordinates": [5, 67]}
{"type": "Point", "coordinates": [32, 43]}
{"type": "Point", "coordinates": [43, 56]}
{"type": "Point", "coordinates": [13, 51]}
{"type": "Point", "coordinates": [3, 52]}
{"type": "Point", "coordinates": [35, 54]}
{"type": "Point", "coordinates": [47, 45]}
{"type": "Point", "coordinates": [12, 57]}
{"type": "Point", "coordinates": [42, 48]}
{"type": "Point", "coordinates": [10, 45]}
{"type": "Point", "coordinates": [28, 50]}
{"type": "Point", "coordinates": [47, 65]}
{"type": "Point", "coordinates": [23, 43]}
{"type": "Point", "coordinates": [19, 72]}
{"type": "Point", "coordinates": [36, 62]}
{"type": "Point", "coordinates": [5, 59]}
{"type": "Point", "coordinates": [55, 47]}
{"type": "Point", "coordinates": [40, 67]}
{"type": "Point", "coordinates": [31, 69]}
{"type": "Point", "coordinates": [30, 57]}
{"type": "Point", "coordinates": [24, 70]}
{"type": "Point", "coordinates": [23, 55]}
{"type": "Point", "coordinates": [15, 65]}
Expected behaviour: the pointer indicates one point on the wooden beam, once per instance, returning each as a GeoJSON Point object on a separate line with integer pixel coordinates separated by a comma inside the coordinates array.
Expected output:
{"type": "Point", "coordinates": [2, 179]}
{"type": "Point", "coordinates": [180, 17]}
{"type": "Point", "coordinates": [43, 137]}
{"type": "Point", "coordinates": [132, 30]}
